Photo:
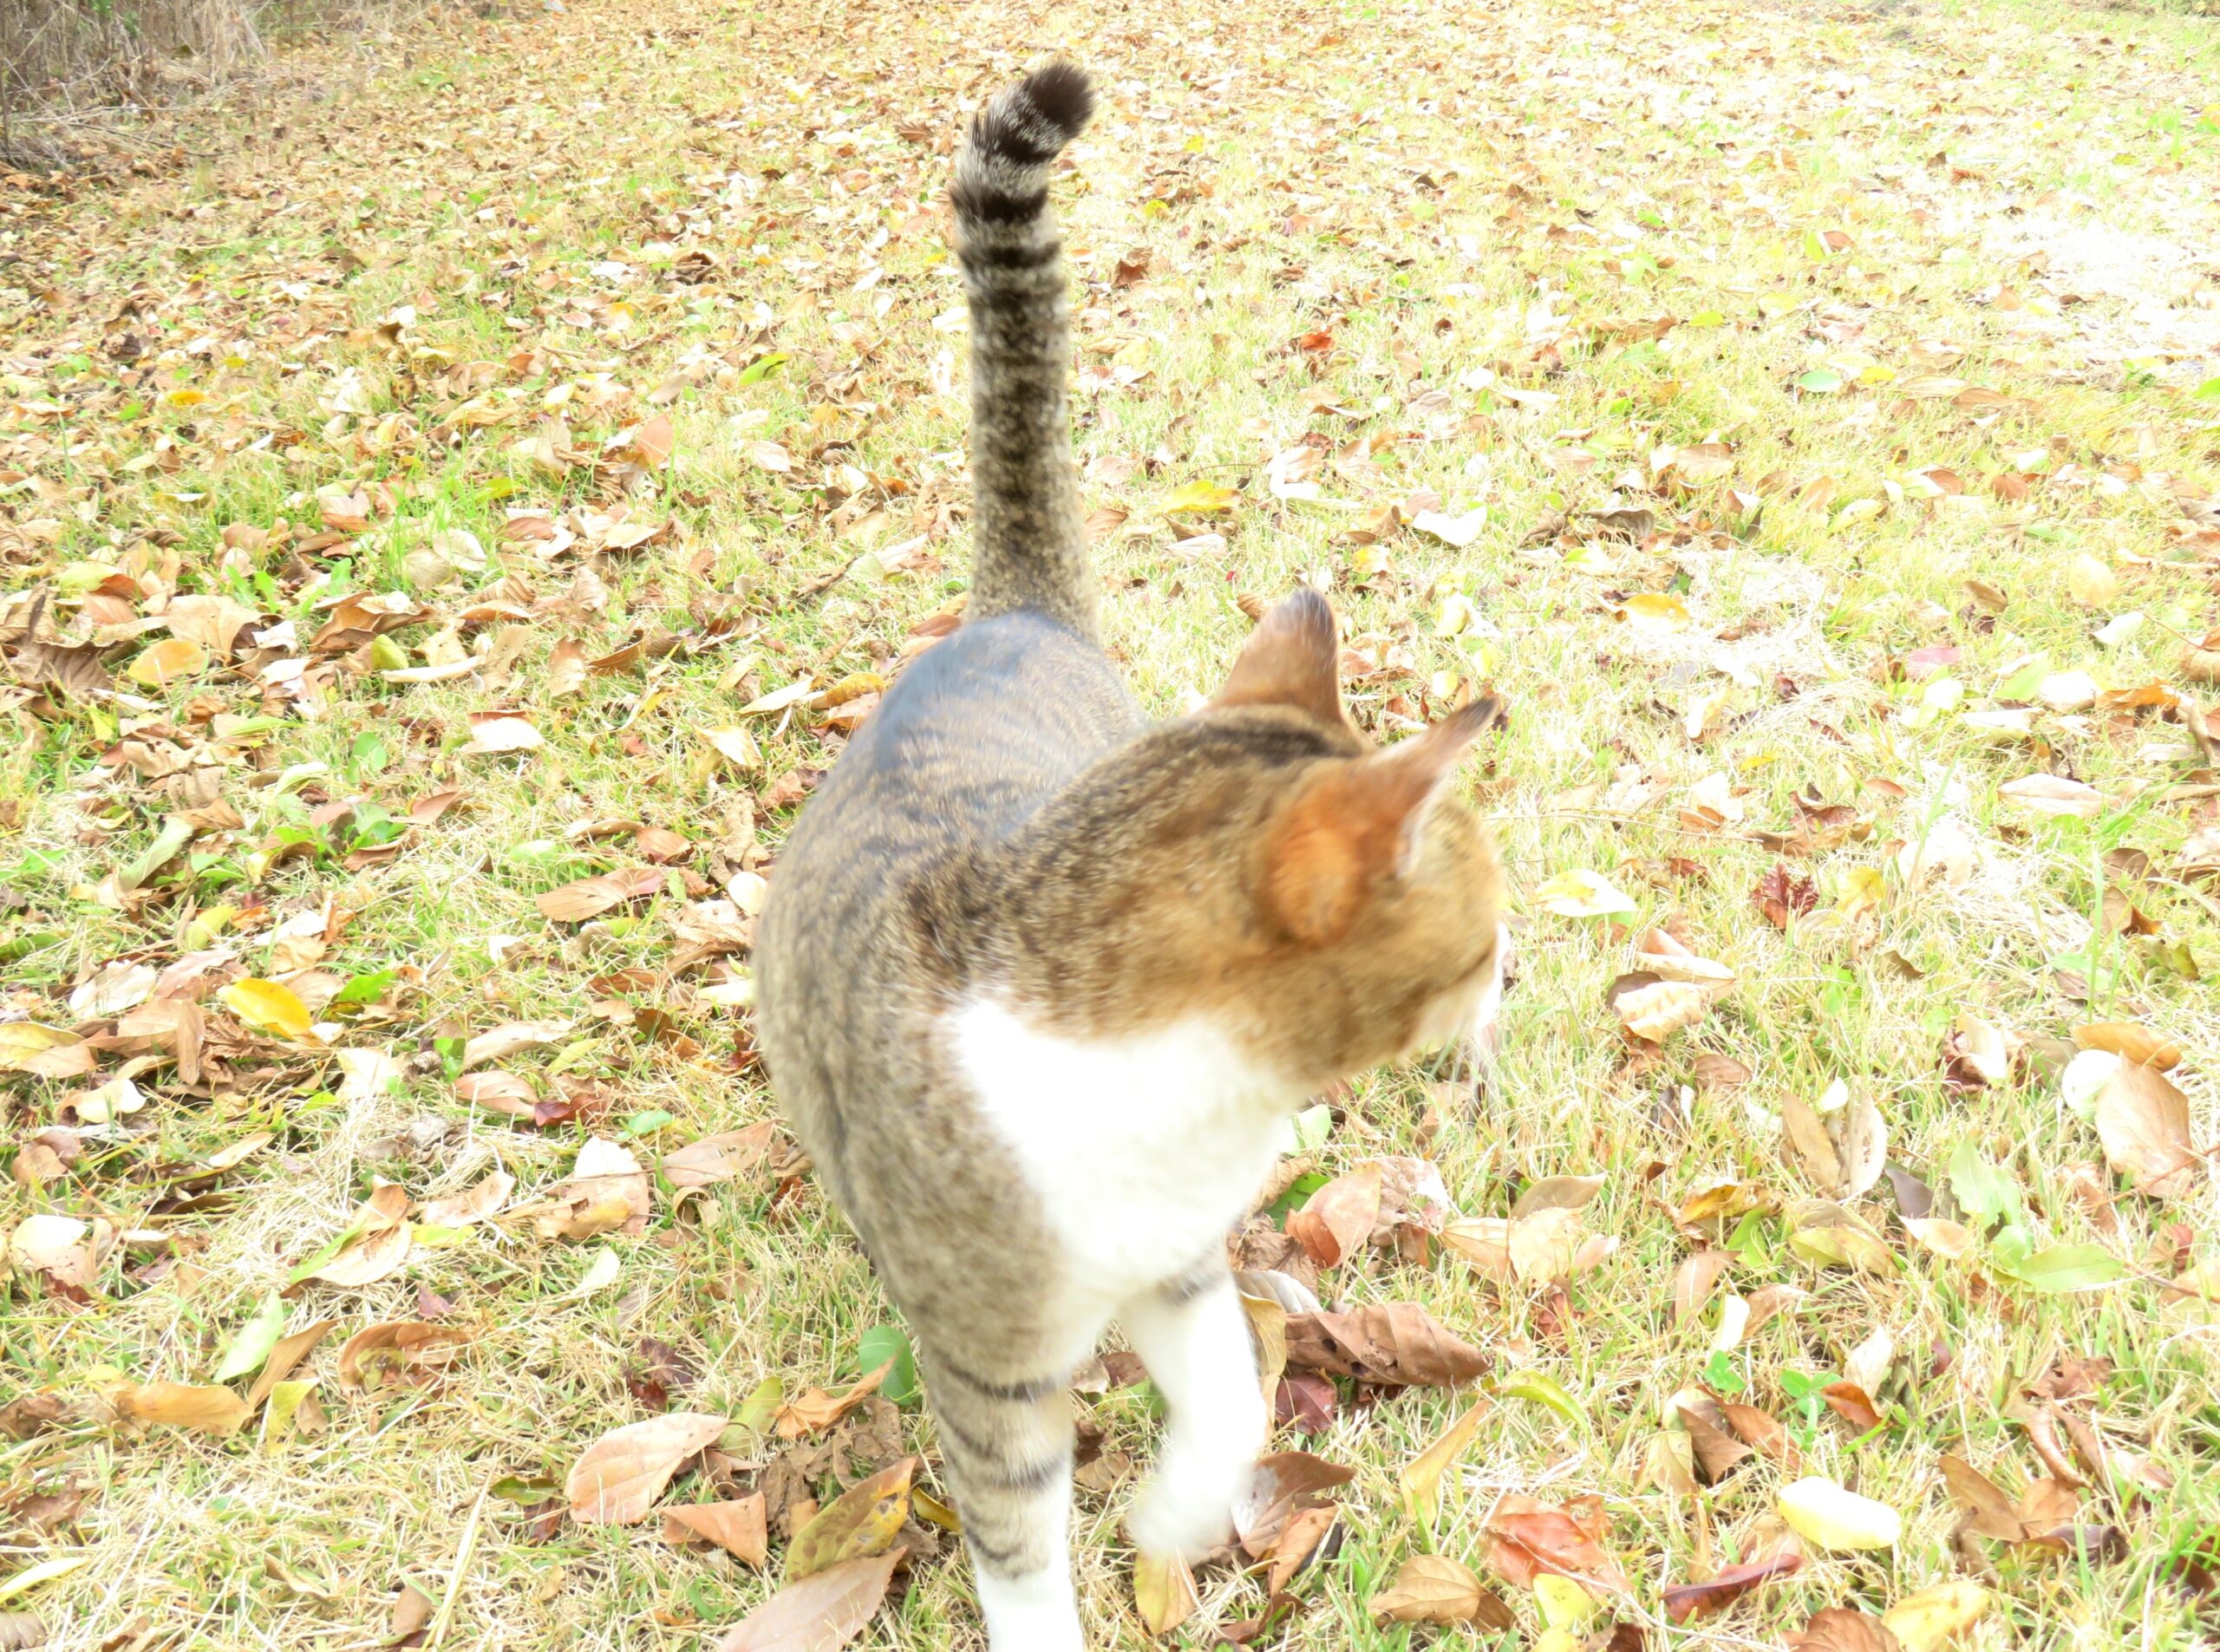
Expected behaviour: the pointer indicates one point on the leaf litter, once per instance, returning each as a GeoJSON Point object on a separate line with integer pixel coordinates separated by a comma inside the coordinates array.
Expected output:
{"type": "Point", "coordinates": [286, 930]}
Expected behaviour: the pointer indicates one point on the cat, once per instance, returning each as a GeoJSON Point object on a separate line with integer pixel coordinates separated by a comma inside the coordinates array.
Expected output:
{"type": "Point", "coordinates": [1041, 982]}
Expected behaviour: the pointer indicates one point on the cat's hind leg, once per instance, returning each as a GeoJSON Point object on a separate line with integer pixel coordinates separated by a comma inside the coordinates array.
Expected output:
{"type": "Point", "coordinates": [1008, 1446]}
{"type": "Point", "coordinates": [1194, 1335]}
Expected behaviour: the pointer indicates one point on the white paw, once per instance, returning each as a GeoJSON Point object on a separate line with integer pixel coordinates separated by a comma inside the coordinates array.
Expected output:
{"type": "Point", "coordinates": [1187, 1510]}
{"type": "Point", "coordinates": [1034, 1614]}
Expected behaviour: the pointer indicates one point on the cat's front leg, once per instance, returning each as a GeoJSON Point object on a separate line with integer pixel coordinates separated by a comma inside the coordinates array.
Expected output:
{"type": "Point", "coordinates": [1008, 1446]}
{"type": "Point", "coordinates": [1194, 1335]}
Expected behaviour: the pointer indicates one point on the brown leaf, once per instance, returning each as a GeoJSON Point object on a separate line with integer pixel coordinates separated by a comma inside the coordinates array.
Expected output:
{"type": "Point", "coordinates": [1337, 1220]}
{"type": "Point", "coordinates": [715, 1160]}
{"type": "Point", "coordinates": [1762, 1431]}
{"type": "Point", "coordinates": [288, 1352]}
{"type": "Point", "coordinates": [508, 1092]}
{"type": "Point", "coordinates": [589, 897]}
{"type": "Point", "coordinates": [817, 1410]}
{"type": "Point", "coordinates": [1685, 1602]}
{"type": "Point", "coordinates": [1393, 1344]}
{"type": "Point", "coordinates": [1693, 1282]}
{"type": "Point", "coordinates": [1852, 1404]}
{"type": "Point", "coordinates": [1719, 1454]}
{"type": "Point", "coordinates": [203, 1408]}
{"type": "Point", "coordinates": [412, 1611]}
{"type": "Point", "coordinates": [22, 1632]}
{"type": "Point", "coordinates": [1431, 1589]}
{"type": "Point", "coordinates": [1989, 1510]}
{"type": "Point", "coordinates": [394, 1351]}
{"type": "Point", "coordinates": [2129, 1042]}
{"type": "Point", "coordinates": [863, 1521]}
{"type": "Point", "coordinates": [567, 668]}
{"type": "Point", "coordinates": [1303, 1536]}
{"type": "Point", "coordinates": [1782, 894]}
{"type": "Point", "coordinates": [2143, 1120]}
{"type": "Point", "coordinates": [1286, 1483]}
{"type": "Point", "coordinates": [476, 1204]}
{"type": "Point", "coordinates": [738, 1527]}
{"type": "Point", "coordinates": [1715, 1071]}
{"type": "Point", "coordinates": [618, 1477]}
{"type": "Point", "coordinates": [1843, 1628]}
{"type": "Point", "coordinates": [1529, 1537]}
{"type": "Point", "coordinates": [822, 1613]}
{"type": "Point", "coordinates": [511, 1038]}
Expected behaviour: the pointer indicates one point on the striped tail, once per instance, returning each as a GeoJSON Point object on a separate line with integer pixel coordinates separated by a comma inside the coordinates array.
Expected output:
{"type": "Point", "coordinates": [1029, 537]}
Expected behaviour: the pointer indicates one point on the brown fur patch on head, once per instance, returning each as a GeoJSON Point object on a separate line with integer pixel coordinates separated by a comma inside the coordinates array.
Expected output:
{"type": "Point", "coordinates": [1259, 863]}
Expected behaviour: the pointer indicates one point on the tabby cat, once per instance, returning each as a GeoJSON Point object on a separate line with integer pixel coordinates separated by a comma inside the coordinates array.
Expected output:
{"type": "Point", "coordinates": [1041, 982]}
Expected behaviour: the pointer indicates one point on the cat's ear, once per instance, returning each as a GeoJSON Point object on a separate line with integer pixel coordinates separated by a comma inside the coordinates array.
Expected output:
{"type": "Point", "coordinates": [1355, 825]}
{"type": "Point", "coordinates": [1293, 658]}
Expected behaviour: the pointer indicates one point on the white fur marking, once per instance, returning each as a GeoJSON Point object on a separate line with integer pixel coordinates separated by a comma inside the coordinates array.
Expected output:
{"type": "Point", "coordinates": [1032, 1614]}
{"type": "Point", "coordinates": [1144, 1149]}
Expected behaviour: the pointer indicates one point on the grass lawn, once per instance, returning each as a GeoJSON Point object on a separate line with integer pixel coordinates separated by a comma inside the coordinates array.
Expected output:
{"type": "Point", "coordinates": [514, 450]}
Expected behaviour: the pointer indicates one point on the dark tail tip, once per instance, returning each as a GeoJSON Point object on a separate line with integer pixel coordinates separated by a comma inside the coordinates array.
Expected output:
{"type": "Point", "coordinates": [1061, 95]}
{"type": "Point", "coordinates": [1027, 123]}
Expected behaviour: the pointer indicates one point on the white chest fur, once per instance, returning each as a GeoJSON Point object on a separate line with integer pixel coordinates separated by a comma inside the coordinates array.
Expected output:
{"type": "Point", "coordinates": [1144, 1149]}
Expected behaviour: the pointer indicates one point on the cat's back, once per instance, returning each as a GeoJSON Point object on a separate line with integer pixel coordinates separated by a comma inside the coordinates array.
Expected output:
{"type": "Point", "coordinates": [973, 738]}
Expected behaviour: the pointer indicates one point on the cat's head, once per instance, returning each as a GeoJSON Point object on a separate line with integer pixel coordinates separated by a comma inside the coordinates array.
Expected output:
{"type": "Point", "coordinates": [1332, 900]}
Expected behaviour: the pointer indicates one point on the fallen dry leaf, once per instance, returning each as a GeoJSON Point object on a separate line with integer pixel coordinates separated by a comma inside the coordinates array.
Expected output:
{"type": "Point", "coordinates": [618, 1477]}
{"type": "Point", "coordinates": [738, 1527]}
{"type": "Point", "coordinates": [1163, 1592]}
{"type": "Point", "coordinates": [1433, 1589]}
{"type": "Point", "coordinates": [1393, 1343]}
{"type": "Point", "coordinates": [591, 896]}
{"type": "Point", "coordinates": [201, 1408]}
{"type": "Point", "coordinates": [1337, 1220]}
{"type": "Point", "coordinates": [1684, 1603]}
{"type": "Point", "coordinates": [2143, 1120]}
{"type": "Point", "coordinates": [822, 1613]}
{"type": "Point", "coordinates": [477, 1205]}
{"type": "Point", "coordinates": [817, 1410]}
{"type": "Point", "coordinates": [398, 1351]}
{"type": "Point", "coordinates": [862, 1521]}
{"type": "Point", "coordinates": [1530, 1538]}
{"type": "Point", "coordinates": [1843, 1628]}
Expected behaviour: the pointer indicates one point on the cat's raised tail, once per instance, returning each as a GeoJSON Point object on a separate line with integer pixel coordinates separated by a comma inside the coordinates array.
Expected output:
{"type": "Point", "coordinates": [1030, 538]}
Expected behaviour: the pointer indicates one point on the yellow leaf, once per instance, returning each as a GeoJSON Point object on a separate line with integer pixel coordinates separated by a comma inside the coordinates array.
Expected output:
{"type": "Point", "coordinates": [171, 658]}
{"type": "Point", "coordinates": [44, 1572]}
{"type": "Point", "coordinates": [1564, 1604]}
{"type": "Point", "coordinates": [1931, 1619]}
{"type": "Point", "coordinates": [1164, 1589]}
{"type": "Point", "coordinates": [1199, 497]}
{"type": "Point", "coordinates": [1582, 894]}
{"type": "Point", "coordinates": [2091, 583]}
{"type": "Point", "coordinates": [861, 1522]}
{"type": "Point", "coordinates": [1836, 1518]}
{"type": "Point", "coordinates": [1656, 610]}
{"type": "Point", "coordinates": [21, 1039]}
{"type": "Point", "coordinates": [1421, 1477]}
{"type": "Point", "coordinates": [267, 1006]}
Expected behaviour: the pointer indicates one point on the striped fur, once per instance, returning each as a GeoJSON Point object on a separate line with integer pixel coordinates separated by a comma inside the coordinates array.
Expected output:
{"type": "Point", "coordinates": [1030, 538]}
